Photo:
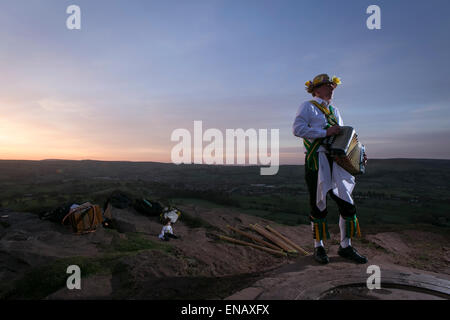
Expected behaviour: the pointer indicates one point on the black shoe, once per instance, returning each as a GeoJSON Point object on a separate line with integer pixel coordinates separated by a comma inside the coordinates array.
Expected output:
{"type": "Point", "coordinates": [351, 254]}
{"type": "Point", "coordinates": [320, 255]}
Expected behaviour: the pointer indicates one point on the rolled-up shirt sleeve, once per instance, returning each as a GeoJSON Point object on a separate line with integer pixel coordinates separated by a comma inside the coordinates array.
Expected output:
{"type": "Point", "coordinates": [302, 124]}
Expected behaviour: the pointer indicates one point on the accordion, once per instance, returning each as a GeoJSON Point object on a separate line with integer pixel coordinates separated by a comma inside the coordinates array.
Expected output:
{"type": "Point", "coordinates": [346, 150]}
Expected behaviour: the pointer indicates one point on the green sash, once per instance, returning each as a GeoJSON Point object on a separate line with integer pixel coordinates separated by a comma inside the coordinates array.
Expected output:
{"type": "Point", "coordinates": [312, 158]}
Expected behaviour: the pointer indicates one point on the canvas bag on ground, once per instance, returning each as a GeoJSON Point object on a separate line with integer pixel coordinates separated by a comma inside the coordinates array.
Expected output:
{"type": "Point", "coordinates": [84, 218]}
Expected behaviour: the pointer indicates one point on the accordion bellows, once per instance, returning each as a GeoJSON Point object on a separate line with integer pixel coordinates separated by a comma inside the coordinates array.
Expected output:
{"type": "Point", "coordinates": [347, 150]}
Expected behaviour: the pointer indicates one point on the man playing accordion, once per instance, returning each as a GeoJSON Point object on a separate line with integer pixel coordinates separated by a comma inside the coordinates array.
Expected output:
{"type": "Point", "coordinates": [317, 119]}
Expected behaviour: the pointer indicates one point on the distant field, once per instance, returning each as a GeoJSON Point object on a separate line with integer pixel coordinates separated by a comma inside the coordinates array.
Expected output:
{"type": "Point", "coordinates": [392, 191]}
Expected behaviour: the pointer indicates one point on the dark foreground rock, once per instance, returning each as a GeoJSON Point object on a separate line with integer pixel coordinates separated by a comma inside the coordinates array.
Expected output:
{"type": "Point", "coordinates": [130, 262]}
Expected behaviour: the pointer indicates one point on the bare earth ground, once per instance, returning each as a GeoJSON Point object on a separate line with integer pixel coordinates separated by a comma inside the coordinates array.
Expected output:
{"type": "Point", "coordinates": [126, 265]}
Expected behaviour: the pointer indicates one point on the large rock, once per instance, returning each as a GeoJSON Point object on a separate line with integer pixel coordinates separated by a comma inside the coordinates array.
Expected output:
{"type": "Point", "coordinates": [127, 220]}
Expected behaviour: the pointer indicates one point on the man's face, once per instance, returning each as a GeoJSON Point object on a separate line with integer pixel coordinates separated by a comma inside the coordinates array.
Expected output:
{"type": "Point", "coordinates": [325, 91]}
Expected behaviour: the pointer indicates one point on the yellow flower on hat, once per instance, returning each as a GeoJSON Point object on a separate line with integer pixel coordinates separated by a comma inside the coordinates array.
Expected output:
{"type": "Point", "coordinates": [308, 83]}
{"type": "Point", "coordinates": [336, 80]}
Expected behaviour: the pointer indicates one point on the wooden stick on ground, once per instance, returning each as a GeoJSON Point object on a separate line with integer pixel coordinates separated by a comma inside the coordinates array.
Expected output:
{"type": "Point", "coordinates": [245, 243]}
{"type": "Point", "coordinates": [291, 249]}
{"type": "Point", "coordinates": [287, 240]}
{"type": "Point", "coordinates": [250, 236]}
{"type": "Point", "coordinates": [272, 238]}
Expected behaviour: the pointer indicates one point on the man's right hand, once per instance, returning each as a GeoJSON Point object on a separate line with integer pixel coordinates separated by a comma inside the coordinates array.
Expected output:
{"type": "Point", "coordinates": [334, 130]}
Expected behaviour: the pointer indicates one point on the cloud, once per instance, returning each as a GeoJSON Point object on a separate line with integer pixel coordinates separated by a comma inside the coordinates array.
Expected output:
{"type": "Point", "coordinates": [431, 108]}
{"type": "Point", "coordinates": [420, 144]}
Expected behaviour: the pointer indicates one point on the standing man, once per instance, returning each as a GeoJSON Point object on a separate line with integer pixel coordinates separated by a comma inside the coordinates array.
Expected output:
{"type": "Point", "coordinates": [315, 120]}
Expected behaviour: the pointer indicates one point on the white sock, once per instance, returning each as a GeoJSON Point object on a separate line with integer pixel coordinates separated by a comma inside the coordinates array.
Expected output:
{"type": "Point", "coordinates": [345, 241]}
{"type": "Point", "coordinates": [316, 243]}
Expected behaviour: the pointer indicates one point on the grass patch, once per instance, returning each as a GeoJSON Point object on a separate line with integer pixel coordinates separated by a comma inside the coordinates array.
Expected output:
{"type": "Point", "coordinates": [196, 222]}
{"type": "Point", "coordinates": [135, 242]}
{"type": "Point", "coordinates": [195, 201]}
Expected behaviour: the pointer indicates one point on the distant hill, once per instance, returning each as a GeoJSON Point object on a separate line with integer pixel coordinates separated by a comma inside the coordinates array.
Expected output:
{"type": "Point", "coordinates": [392, 190]}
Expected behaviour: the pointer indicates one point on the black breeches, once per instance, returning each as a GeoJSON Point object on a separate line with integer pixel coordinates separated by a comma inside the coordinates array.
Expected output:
{"type": "Point", "coordinates": [346, 209]}
{"type": "Point", "coordinates": [169, 235]}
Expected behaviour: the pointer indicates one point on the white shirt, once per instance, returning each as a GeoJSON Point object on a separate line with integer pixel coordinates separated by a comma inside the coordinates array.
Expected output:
{"type": "Point", "coordinates": [310, 123]}
{"type": "Point", "coordinates": [165, 229]}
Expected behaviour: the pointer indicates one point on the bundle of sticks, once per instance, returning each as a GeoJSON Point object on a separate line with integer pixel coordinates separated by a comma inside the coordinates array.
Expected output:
{"type": "Point", "coordinates": [274, 241]}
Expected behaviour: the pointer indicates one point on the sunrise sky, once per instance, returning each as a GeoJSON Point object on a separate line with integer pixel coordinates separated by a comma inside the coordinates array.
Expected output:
{"type": "Point", "coordinates": [137, 70]}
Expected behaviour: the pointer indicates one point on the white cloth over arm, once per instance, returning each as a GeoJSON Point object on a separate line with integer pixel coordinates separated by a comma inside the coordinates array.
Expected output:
{"type": "Point", "coordinates": [340, 181]}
